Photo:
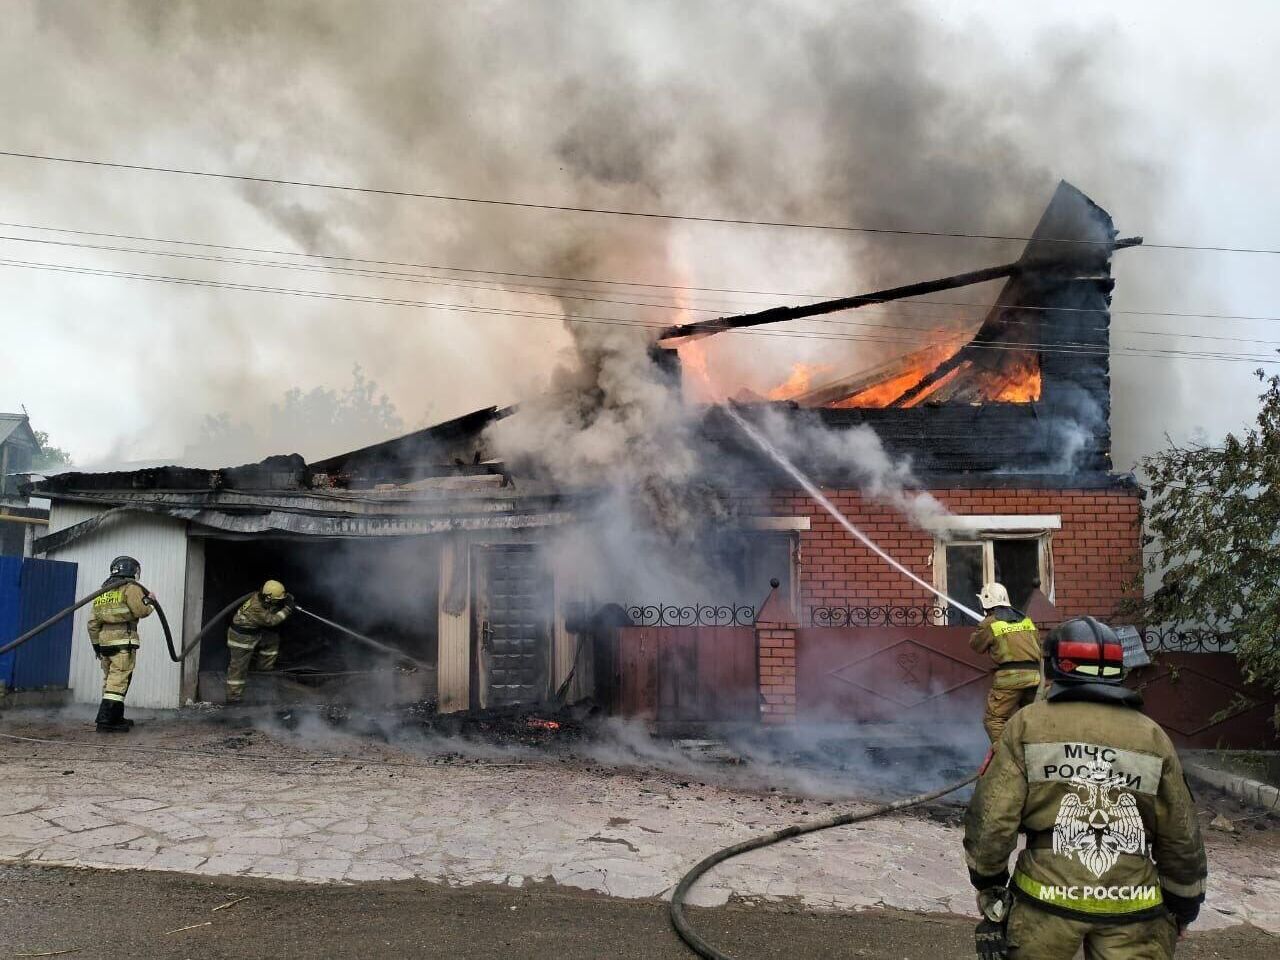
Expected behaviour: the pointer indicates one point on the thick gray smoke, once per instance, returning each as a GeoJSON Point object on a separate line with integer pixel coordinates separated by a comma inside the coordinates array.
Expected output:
{"type": "Point", "coordinates": [873, 114]}
{"type": "Point", "coordinates": [858, 454]}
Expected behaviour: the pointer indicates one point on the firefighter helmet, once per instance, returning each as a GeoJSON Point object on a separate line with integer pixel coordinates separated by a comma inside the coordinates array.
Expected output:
{"type": "Point", "coordinates": [1084, 650]}
{"type": "Point", "coordinates": [994, 595]}
{"type": "Point", "coordinates": [126, 567]}
{"type": "Point", "coordinates": [273, 590]}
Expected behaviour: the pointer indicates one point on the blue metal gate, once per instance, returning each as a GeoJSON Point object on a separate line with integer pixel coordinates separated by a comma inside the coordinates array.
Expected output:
{"type": "Point", "coordinates": [31, 591]}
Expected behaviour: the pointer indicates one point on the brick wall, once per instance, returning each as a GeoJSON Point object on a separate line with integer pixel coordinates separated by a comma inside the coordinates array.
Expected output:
{"type": "Point", "coordinates": [776, 643]}
{"type": "Point", "coordinates": [1095, 554]}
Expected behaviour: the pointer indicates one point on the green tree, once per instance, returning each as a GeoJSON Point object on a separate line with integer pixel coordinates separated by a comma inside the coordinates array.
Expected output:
{"type": "Point", "coordinates": [49, 457]}
{"type": "Point", "coordinates": [319, 421]}
{"type": "Point", "coordinates": [1213, 521]}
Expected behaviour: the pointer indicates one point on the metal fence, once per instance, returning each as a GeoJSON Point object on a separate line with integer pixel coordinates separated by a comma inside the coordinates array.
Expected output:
{"type": "Point", "coordinates": [1159, 639]}
{"type": "Point", "coordinates": [880, 615]}
{"type": "Point", "coordinates": [1173, 639]}
{"type": "Point", "coordinates": [691, 614]}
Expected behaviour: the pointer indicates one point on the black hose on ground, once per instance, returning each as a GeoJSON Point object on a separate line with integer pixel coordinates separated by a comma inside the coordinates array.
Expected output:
{"type": "Point", "coordinates": [681, 922]}
{"type": "Point", "coordinates": [368, 641]}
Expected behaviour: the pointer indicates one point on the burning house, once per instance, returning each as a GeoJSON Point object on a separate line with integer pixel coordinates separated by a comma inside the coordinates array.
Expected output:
{"type": "Point", "coordinates": [511, 578]}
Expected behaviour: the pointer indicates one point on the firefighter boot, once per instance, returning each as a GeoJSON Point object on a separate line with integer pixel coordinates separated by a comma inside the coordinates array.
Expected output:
{"type": "Point", "coordinates": [111, 717]}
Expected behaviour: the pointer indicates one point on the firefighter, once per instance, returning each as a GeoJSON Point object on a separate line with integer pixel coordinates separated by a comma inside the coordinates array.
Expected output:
{"type": "Point", "coordinates": [252, 639]}
{"type": "Point", "coordinates": [113, 631]}
{"type": "Point", "coordinates": [1014, 644]}
{"type": "Point", "coordinates": [1114, 860]}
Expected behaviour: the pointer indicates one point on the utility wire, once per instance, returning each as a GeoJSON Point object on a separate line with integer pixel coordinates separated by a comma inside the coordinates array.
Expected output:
{"type": "Point", "coordinates": [911, 301]}
{"type": "Point", "coordinates": [1061, 348]}
{"type": "Point", "coordinates": [609, 211]}
{"type": "Point", "coordinates": [950, 320]}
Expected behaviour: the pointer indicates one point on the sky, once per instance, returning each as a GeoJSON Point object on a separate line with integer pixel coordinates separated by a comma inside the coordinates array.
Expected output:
{"type": "Point", "coordinates": [951, 116]}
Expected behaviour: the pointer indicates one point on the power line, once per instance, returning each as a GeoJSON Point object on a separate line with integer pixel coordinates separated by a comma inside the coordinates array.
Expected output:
{"type": "Point", "coordinates": [1064, 349]}
{"type": "Point", "coordinates": [608, 211]}
{"type": "Point", "coordinates": [1101, 311]}
{"type": "Point", "coordinates": [949, 321]}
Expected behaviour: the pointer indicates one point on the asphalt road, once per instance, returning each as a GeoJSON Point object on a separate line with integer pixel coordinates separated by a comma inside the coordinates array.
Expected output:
{"type": "Point", "coordinates": [89, 913]}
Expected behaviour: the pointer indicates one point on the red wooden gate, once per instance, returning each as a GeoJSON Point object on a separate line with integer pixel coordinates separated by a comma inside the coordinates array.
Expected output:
{"type": "Point", "coordinates": [929, 674]}
{"type": "Point", "coordinates": [1201, 700]}
{"type": "Point", "coordinates": [869, 674]}
{"type": "Point", "coordinates": [688, 673]}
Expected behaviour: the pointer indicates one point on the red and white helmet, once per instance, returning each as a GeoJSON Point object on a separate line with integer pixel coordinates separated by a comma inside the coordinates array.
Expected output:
{"type": "Point", "coordinates": [1084, 650]}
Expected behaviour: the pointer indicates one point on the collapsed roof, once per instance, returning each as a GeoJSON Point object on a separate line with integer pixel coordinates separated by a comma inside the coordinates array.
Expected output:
{"type": "Point", "coordinates": [948, 409]}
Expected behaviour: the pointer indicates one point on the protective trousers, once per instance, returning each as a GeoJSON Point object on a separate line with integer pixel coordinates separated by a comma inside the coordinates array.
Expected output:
{"type": "Point", "coordinates": [117, 671]}
{"type": "Point", "coordinates": [1036, 934]}
{"type": "Point", "coordinates": [257, 652]}
{"type": "Point", "coordinates": [1003, 704]}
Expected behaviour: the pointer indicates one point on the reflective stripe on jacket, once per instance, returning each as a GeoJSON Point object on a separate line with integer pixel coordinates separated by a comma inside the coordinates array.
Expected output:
{"type": "Point", "coordinates": [254, 614]}
{"type": "Point", "coordinates": [1101, 786]}
{"type": "Point", "coordinates": [1009, 637]}
{"type": "Point", "coordinates": [114, 616]}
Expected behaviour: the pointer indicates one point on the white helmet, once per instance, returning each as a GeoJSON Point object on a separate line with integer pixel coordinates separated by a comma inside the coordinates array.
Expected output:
{"type": "Point", "coordinates": [994, 595]}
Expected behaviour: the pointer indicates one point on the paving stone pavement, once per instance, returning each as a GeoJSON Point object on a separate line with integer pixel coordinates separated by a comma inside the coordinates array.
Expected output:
{"type": "Point", "coordinates": [624, 833]}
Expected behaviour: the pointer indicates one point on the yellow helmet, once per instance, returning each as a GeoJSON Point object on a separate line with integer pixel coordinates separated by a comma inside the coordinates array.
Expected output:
{"type": "Point", "coordinates": [273, 590]}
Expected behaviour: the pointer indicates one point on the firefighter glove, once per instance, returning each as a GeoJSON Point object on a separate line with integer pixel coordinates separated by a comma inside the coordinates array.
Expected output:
{"type": "Point", "coordinates": [994, 904]}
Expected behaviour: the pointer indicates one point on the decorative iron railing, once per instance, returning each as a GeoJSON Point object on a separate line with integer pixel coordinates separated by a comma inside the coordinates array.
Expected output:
{"type": "Point", "coordinates": [1167, 639]}
{"type": "Point", "coordinates": [880, 615]}
{"type": "Point", "coordinates": [1172, 639]}
{"type": "Point", "coordinates": [691, 614]}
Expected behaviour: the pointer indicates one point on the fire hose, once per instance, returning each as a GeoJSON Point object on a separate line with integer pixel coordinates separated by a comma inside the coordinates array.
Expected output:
{"type": "Point", "coordinates": [89, 598]}
{"type": "Point", "coordinates": [681, 922]}
{"type": "Point", "coordinates": [678, 918]}
{"type": "Point", "coordinates": [368, 641]}
{"type": "Point", "coordinates": [177, 656]}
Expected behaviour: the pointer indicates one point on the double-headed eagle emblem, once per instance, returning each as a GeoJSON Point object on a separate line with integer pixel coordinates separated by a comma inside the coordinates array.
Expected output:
{"type": "Point", "coordinates": [1100, 822]}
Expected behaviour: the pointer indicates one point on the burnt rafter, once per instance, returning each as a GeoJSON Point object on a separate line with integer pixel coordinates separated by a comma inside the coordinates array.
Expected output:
{"type": "Point", "coordinates": [704, 328]}
{"type": "Point", "coordinates": [1074, 236]}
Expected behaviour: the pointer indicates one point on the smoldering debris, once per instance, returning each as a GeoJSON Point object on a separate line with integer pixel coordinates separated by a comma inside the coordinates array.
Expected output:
{"type": "Point", "coordinates": [824, 762]}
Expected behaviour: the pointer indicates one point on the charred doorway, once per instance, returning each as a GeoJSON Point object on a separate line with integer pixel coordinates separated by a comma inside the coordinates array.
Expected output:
{"type": "Point", "coordinates": [512, 625]}
{"type": "Point", "coordinates": [387, 589]}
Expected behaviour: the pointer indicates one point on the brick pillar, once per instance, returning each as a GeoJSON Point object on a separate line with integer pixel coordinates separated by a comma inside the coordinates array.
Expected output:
{"type": "Point", "coordinates": [776, 648]}
{"type": "Point", "coordinates": [776, 653]}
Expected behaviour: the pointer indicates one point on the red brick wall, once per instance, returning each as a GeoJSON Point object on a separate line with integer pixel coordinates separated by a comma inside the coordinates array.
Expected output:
{"type": "Point", "coordinates": [1095, 554]}
{"type": "Point", "coordinates": [777, 645]}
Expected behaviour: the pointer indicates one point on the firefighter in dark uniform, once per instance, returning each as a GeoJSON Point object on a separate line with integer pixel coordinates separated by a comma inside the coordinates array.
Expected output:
{"type": "Point", "coordinates": [1113, 860]}
{"type": "Point", "coordinates": [113, 631]}
{"type": "Point", "coordinates": [1013, 643]}
{"type": "Point", "coordinates": [252, 640]}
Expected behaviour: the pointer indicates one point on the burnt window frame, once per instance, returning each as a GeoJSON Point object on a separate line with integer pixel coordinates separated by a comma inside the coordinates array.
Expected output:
{"type": "Point", "coordinates": [986, 538]}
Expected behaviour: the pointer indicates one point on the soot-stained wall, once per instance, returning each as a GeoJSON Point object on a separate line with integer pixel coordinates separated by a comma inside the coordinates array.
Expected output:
{"type": "Point", "coordinates": [385, 588]}
{"type": "Point", "coordinates": [1096, 553]}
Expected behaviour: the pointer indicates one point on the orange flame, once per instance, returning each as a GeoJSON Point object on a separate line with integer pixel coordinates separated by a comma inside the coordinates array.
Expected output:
{"type": "Point", "coordinates": [885, 392]}
{"type": "Point", "coordinates": [798, 381]}
{"type": "Point", "coordinates": [1022, 387]}
{"type": "Point", "coordinates": [695, 373]}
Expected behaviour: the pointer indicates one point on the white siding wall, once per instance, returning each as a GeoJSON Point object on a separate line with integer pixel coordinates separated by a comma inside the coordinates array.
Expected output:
{"type": "Point", "coordinates": [160, 545]}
